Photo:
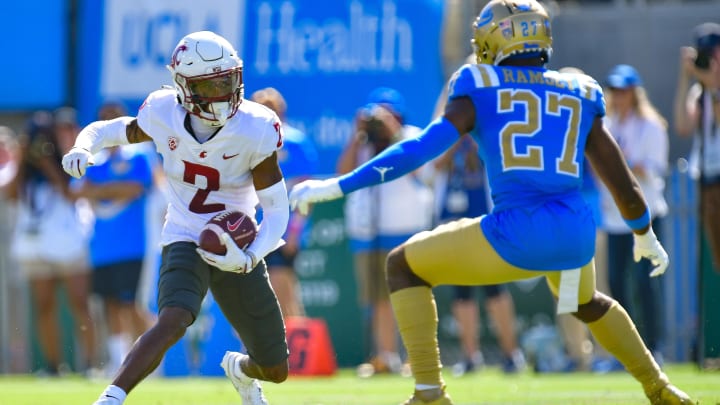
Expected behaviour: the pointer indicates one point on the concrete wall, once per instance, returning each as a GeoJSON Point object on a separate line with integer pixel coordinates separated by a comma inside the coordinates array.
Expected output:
{"type": "Point", "coordinates": [595, 38]}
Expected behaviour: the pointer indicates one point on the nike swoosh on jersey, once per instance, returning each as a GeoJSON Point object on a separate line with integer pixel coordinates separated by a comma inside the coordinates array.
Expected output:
{"type": "Point", "coordinates": [226, 157]}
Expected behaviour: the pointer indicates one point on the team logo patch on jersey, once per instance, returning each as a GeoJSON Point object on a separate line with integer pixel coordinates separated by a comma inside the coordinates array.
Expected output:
{"type": "Point", "coordinates": [203, 154]}
{"type": "Point", "coordinates": [172, 143]}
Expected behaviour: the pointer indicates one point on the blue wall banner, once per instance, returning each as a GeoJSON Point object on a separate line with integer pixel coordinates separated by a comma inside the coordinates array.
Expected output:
{"type": "Point", "coordinates": [325, 60]}
{"type": "Point", "coordinates": [34, 69]}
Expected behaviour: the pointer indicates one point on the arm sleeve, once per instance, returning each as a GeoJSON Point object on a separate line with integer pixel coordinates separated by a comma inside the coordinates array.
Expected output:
{"type": "Point", "coordinates": [103, 134]}
{"type": "Point", "coordinates": [276, 213]}
{"type": "Point", "coordinates": [402, 157]}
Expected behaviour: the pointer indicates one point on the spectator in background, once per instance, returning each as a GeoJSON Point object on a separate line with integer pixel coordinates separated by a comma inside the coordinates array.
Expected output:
{"type": "Point", "coordinates": [66, 127]}
{"type": "Point", "coordinates": [641, 133]}
{"type": "Point", "coordinates": [379, 218]}
{"type": "Point", "coordinates": [297, 159]}
{"type": "Point", "coordinates": [117, 187]}
{"type": "Point", "coordinates": [697, 114]}
{"type": "Point", "coordinates": [49, 242]}
{"type": "Point", "coordinates": [8, 155]}
{"type": "Point", "coordinates": [461, 188]}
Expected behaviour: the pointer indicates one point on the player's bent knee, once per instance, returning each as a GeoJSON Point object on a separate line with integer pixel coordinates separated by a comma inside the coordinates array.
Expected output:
{"type": "Point", "coordinates": [595, 308]}
{"type": "Point", "coordinates": [399, 274]}
{"type": "Point", "coordinates": [174, 321]}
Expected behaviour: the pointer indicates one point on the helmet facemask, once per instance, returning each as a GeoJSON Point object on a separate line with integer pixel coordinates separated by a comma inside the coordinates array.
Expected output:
{"type": "Point", "coordinates": [214, 97]}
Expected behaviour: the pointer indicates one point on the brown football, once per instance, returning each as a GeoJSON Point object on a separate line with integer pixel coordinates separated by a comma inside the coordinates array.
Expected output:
{"type": "Point", "coordinates": [240, 226]}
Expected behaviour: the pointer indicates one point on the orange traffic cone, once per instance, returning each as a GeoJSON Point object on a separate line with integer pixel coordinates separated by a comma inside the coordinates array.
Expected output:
{"type": "Point", "coordinates": [311, 350]}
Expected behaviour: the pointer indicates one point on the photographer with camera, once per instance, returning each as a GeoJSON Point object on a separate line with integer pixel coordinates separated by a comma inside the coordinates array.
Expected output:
{"type": "Point", "coordinates": [697, 114]}
{"type": "Point", "coordinates": [49, 242]}
{"type": "Point", "coordinates": [379, 218]}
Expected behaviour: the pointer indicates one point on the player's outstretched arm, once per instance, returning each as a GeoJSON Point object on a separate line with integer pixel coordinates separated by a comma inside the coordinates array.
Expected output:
{"type": "Point", "coordinates": [99, 135]}
{"type": "Point", "coordinates": [607, 161]}
{"type": "Point", "coordinates": [395, 161]}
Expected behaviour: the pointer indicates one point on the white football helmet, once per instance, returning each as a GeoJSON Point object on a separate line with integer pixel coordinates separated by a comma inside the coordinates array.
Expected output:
{"type": "Point", "coordinates": [207, 74]}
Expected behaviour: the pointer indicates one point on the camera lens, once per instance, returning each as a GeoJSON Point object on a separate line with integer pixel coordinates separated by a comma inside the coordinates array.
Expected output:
{"type": "Point", "coordinates": [702, 61]}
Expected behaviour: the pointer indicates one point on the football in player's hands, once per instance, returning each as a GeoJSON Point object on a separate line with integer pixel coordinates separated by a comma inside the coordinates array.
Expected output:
{"type": "Point", "coordinates": [238, 225]}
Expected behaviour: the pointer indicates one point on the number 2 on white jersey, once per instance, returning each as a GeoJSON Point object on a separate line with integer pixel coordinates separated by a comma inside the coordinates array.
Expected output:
{"type": "Point", "coordinates": [212, 178]}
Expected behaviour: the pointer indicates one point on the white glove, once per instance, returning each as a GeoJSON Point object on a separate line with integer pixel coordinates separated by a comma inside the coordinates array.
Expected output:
{"type": "Point", "coordinates": [76, 161]}
{"type": "Point", "coordinates": [312, 191]}
{"type": "Point", "coordinates": [235, 260]}
{"type": "Point", "coordinates": [649, 247]}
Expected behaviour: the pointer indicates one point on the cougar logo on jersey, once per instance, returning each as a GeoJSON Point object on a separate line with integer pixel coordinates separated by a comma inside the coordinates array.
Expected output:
{"type": "Point", "coordinates": [172, 143]}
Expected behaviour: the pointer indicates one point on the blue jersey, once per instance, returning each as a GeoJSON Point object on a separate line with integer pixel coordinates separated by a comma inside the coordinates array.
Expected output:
{"type": "Point", "coordinates": [297, 158]}
{"type": "Point", "coordinates": [119, 233]}
{"type": "Point", "coordinates": [531, 127]}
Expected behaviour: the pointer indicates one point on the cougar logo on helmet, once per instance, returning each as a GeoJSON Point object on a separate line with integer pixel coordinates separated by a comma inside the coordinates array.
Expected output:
{"type": "Point", "coordinates": [174, 62]}
{"type": "Point", "coordinates": [506, 28]}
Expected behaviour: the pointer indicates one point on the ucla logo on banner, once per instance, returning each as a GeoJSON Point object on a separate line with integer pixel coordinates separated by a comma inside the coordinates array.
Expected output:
{"type": "Point", "coordinates": [139, 38]}
{"type": "Point", "coordinates": [359, 39]}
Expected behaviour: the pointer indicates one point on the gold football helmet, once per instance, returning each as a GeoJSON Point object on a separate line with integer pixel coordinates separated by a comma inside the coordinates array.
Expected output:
{"type": "Point", "coordinates": [510, 27]}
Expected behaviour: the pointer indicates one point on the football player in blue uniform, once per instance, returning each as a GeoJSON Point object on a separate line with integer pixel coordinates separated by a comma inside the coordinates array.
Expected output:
{"type": "Point", "coordinates": [535, 127]}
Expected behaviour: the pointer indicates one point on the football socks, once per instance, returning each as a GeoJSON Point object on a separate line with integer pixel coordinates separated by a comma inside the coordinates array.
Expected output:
{"type": "Point", "coordinates": [417, 320]}
{"type": "Point", "coordinates": [618, 335]}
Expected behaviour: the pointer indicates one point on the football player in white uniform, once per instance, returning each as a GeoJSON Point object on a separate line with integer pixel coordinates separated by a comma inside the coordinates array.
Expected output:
{"type": "Point", "coordinates": [219, 153]}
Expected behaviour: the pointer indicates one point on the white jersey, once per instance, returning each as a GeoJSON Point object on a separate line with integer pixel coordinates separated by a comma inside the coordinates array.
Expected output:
{"type": "Point", "coordinates": [205, 178]}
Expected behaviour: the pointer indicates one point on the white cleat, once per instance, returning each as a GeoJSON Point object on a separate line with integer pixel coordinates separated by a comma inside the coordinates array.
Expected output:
{"type": "Point", "coordinates": [248, 388]}
{"type": "Point", "coordinates": [107, 401]}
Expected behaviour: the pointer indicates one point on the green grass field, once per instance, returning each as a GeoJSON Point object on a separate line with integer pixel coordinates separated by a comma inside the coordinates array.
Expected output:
{"type": "Point", "coordinates": [486, 387]}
